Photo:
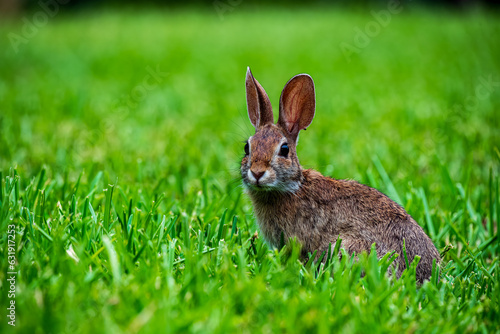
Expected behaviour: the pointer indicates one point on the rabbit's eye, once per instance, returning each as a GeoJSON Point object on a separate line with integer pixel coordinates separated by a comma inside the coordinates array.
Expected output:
{"type": "Point", "coordinates": [284, 150]}
{"type": "Point", "coordinates": [247, 149]}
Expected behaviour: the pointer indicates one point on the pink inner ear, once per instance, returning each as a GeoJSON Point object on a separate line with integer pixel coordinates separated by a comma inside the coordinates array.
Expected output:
{"type": "Point", "coordinates": [294, 110]}
{"type": "Point", "coordinates": [297, 104]}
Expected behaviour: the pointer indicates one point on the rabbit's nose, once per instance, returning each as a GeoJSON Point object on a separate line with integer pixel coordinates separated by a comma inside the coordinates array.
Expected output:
{"type": "Point", "coordinates": [258, 174]}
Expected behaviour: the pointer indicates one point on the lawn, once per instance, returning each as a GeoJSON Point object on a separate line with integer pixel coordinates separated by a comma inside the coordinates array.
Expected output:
{"type": "Point", "coordinates": [120, 140]}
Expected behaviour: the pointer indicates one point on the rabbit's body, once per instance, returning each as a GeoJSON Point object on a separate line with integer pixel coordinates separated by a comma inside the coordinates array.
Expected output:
{"type": "Point", "coordinates": [342, 208]}
{"type": "Point", "coordinates": [315, 209]}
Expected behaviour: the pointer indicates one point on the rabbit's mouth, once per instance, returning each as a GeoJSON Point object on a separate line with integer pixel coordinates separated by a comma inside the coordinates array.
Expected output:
{"type": "Point", "coordinates": [263, 183]}
{"type": "Point", "coordinates": [260, 177]}
{"type": "Point", "coordinates": [268, 180]}
{"type": "Point", "coordinates": [274, 186]}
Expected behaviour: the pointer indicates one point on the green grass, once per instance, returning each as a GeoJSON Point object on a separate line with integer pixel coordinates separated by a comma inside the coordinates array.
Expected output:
{"type": "Point", "coordinates": [128, 211]}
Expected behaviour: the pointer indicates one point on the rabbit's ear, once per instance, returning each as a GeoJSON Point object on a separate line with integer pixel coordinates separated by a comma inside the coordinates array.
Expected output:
{"type": "Point", "coordinates": [297, 104]}
{"type": "Point", "coordinates": [259, 107]}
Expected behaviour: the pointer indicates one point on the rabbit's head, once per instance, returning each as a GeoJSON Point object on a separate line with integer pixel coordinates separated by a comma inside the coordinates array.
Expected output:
{"type": "Point", "coordinates": [270, 162]}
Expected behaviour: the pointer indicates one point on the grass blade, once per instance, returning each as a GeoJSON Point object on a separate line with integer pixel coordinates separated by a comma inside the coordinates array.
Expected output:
{"type": "Point", "coordinates": [391, 190]}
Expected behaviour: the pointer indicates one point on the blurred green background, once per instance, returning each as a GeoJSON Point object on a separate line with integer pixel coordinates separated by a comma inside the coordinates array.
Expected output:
{"type": "Point", "coordinates": [152, 100]}
{"type": "Point", "coordinates": [74, 96]}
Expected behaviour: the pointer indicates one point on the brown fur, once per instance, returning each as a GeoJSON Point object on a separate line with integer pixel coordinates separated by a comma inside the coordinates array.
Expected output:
{"type": "Point", "coordinates": [316, 209]}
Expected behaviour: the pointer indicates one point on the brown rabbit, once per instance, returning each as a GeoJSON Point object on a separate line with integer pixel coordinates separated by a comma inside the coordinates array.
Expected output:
{"type": "Point", "coordinates": [316, 209]}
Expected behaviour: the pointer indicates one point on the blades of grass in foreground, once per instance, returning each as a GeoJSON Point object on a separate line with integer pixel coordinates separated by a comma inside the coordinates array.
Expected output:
{"type": "Point", "coordinates": [404, 254]}
{"type": "Point", "coordinates": [113, 260]}
{"type": "Point", "coordinates": [491, 198]}
{"type": "Point", "coordinates": [221, 226]}
{"type": "Point", "coordinates": [391, 190]}
{"type": "Point", "coordinates": [428, 218]}
{"type": "Point", "coordinates": [497, 201]}
{"type": "Point", "coordinates": [107, 206]}
{"type": "Point", "coordinates": [234, 226]}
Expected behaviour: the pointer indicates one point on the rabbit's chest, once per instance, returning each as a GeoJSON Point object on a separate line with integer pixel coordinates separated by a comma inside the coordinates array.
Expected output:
{"type": "Point", "coordinates": [273, 223]}
{"type": "Point", "coordinates": [306, 226]}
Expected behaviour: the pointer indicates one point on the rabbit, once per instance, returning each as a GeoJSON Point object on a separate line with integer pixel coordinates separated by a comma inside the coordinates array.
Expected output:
{"type": "Point", "coordinates": [290, 201]}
